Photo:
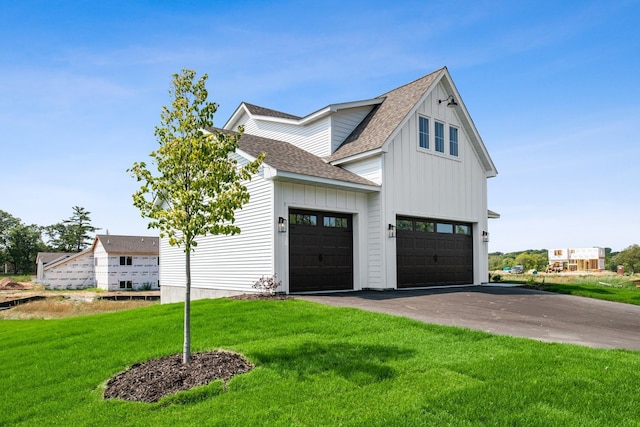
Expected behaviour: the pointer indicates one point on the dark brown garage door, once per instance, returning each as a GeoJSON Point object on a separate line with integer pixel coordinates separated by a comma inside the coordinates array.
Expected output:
{"type": "Point", "coordinates": [433, 252]}
{"type": "Point", "coordinates": [320, 251]}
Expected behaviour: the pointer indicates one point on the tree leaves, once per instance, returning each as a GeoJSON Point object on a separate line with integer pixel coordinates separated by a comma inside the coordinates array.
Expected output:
{"type": "Point", "coordinates": [198, 186]}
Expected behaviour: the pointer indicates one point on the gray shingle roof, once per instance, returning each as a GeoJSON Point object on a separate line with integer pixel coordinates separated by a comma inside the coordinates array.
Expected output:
{"type": "Point", "coordinates": [286, 157]}
{"type": "Point", "coordinates": [262, 111]}
{"type": "Point", "coordinates": [376, 128]}
{"type": "Point", "coordinates": [48, 257]}
{"type": "Point", "coordinates": [129, 244]}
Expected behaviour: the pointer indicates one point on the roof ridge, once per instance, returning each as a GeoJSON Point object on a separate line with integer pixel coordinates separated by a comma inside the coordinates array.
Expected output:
{"type": "Point", "coordinates": [270, 112]}
{"type": "Point", "coordinates": [412, 82]}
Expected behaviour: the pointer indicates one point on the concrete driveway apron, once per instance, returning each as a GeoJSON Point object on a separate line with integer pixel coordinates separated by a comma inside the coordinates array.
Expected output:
{"type": "Point", "coordinates": [511, 311]}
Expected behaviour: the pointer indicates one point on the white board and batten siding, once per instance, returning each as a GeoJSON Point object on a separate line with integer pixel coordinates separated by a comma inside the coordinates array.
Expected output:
{"type": "Point", "coordinates": [225, 265]}
{"type": "Point", "coordinates": [300, 196]}
{"type": "Point", "coordinates": [425, 183]}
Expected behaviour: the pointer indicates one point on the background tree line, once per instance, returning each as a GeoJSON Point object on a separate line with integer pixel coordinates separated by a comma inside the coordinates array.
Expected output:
{"type": "Point", "coordinates": [538, 259]}
{"type": "Point", "coordinates": [20, 242]}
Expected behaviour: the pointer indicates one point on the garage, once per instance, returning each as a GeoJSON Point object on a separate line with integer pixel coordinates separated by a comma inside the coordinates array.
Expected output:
{"type": "Point", "coordinates": [320, 251]}
{"type": "Point", "coordinates": [433, 252]}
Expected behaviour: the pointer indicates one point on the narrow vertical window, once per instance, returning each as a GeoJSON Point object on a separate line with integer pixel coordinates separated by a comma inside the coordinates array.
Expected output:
{"type": "Point", "coordinates": [453, 141]}
{"type": "Point", "coordinates": [439, 137]}
{"type": "Point", "coordinates": [424, 132]}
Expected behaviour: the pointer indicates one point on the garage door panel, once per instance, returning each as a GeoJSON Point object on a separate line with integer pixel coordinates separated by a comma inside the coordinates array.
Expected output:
{"type": "Point", "coordinates": [327, 248]}
{"type": "Point", "coordinates": [426, 257]}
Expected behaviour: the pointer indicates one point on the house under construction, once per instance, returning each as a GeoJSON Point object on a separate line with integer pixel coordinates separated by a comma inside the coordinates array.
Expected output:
{"type": "Point", "coordinates": [579, 259]}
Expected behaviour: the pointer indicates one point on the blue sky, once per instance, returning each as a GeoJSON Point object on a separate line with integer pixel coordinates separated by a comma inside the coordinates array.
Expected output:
{"type": "Point", "coordinates": [552, 87]}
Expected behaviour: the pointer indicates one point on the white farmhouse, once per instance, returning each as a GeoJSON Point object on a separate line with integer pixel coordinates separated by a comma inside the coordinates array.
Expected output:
{"type": "Point", "coordinates": [383, 193]}
{"type": "Point", "coordinates": [110, 263]}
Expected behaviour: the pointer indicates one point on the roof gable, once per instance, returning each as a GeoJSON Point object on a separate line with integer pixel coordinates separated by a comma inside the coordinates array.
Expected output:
{"type": "Point", "coordinates": [385, 118]}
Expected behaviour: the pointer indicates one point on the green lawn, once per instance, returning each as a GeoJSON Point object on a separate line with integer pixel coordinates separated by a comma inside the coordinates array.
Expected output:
{"type": "Point", "coordinates": [610, 288]}
{"type": "Point", "coordinates": [315, 365]}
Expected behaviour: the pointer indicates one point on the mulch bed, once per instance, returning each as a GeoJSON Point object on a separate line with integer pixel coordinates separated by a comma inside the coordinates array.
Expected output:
{"type": "Point", "coordinates": [152, 380]}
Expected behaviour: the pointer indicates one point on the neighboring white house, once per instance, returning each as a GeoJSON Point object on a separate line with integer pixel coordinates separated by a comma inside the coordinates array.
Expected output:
{"type": "Point", "coordinates": [383, 193]}
{"type": "Point", "coordinates": [110, 263]}
{"type": "Point", "coordinates": [578, 259]}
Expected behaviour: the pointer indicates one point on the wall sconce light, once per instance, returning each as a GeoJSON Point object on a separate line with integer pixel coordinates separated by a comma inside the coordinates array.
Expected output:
{"type": "Point", "coordinates": [282, 225]}
{"type": "Point", "coordinates": [485, 236]}
{"type": "Point", "coordinates": [452, 102]}
{"type": "Point", "coordinates": [392, 230]}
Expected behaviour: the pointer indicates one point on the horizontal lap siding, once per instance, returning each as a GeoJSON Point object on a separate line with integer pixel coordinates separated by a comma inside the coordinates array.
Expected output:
{"type": "Point", "coordinates": [370, 168]}
{"type": "Point", "coordinates": [314, 137]}
{"type": "Point", "coordinates": [344, 122]}
{"type": "Point", "coordinates": [231, 262]}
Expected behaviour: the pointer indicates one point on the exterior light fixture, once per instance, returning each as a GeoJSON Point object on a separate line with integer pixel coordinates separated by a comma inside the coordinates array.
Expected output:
{"type": "Point", "coordinates": [452, 101]}
{"type": "Point", "coordinates": [282, 225]}
{"type": "Point", "coordinates": [485, 236]}
{"type": "Point", "coordinates": [392, 230]}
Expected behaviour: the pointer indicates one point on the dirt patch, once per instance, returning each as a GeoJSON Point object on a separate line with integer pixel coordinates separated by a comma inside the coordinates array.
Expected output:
{"type": "Point", "coordinates": [152, 380]}
{"type": "Point", "coordinates": [8, 284]}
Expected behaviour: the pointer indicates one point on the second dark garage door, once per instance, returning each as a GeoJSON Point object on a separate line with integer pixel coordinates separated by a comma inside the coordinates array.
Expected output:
{"type": "Point", "coordinates": [433, 252]}
{"type": "Point", "coordinates": [320, 251]}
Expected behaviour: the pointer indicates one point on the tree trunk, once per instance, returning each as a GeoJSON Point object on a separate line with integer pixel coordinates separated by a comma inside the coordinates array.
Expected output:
{"type": "Point", "coordinates": [186, 355]}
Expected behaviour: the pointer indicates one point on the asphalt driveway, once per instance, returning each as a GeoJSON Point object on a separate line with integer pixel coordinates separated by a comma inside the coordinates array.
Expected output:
{"type": "Point", "coordinates": [511, 311]}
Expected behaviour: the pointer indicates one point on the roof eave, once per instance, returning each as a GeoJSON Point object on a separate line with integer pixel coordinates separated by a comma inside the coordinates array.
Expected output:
{"type": "Point", "coordinates": [356, 157]}
{"type": "Point", "coordinates": [277, 175]}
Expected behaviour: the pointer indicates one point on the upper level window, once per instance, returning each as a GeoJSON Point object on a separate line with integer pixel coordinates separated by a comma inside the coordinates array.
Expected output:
{"type": "Point", "coordinates": [424, 132]}
{"type": "Point", "coordinates": [126, 260]}
{"type": "Point", "coordinates": [439, 137]}
{"type": "Point", "coordinates": [453, 141]}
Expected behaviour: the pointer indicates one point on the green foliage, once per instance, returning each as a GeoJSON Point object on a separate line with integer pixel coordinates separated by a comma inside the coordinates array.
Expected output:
{"type": "Point", "coordinates": [316, 366]}
{"type": "Point", "coordinates": [267, 284]}
{"type": "Point", "coordinates": [199, 185]}
{"type": "Point", "coordinates": [629, 258]}
{"type": "Point", "coordinates": [530, 259]}
{"type": "Point", "coordinates": [71, 235]}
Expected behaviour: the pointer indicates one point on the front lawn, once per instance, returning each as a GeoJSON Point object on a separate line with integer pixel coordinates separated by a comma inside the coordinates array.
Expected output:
{"type": "Point", "coordinates": [315, 365]}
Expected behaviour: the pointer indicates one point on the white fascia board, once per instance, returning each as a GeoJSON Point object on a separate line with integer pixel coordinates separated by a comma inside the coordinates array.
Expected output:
{"type": "Point", "coordinates": [268, 171]}
{"type": "Point", "coordinates": [295, 177]}
{"type": "Point", "coordinates": [359, 156]}
{"type": "Point", "coordinates": [235, 116]}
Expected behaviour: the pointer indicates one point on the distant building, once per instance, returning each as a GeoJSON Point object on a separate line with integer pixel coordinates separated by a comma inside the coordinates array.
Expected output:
{"type": "Point", "coordinates": [579, 259]}
{"type": "Point", "coordinates": [111, 263]}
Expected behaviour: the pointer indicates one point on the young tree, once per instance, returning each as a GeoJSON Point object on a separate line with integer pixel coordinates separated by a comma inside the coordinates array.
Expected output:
{"type": "Point", "coordinates": [199, 185]}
